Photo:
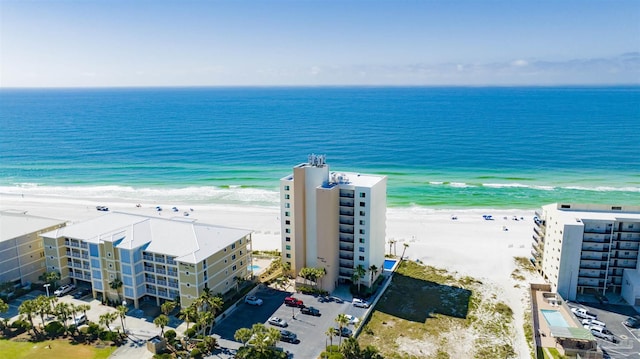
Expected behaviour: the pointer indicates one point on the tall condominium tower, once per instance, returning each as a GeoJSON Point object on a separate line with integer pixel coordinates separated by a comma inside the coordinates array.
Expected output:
{"type": "Point", "coordinates": [589, 249]}
{"type": "Point", "coordinates": [335, 221]}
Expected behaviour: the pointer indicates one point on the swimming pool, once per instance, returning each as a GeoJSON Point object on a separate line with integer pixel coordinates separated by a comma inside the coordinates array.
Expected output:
{"type": "Point", "coordinates": [554, 318]}
{"type": "Point", "coordinates": [389, 264]}
{"type": "Point", "coordinates": [254, 268]}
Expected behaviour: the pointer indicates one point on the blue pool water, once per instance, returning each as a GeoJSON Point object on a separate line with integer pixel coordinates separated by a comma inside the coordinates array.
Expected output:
{"type": "Point", "coordinates": [554, 318]}
{"type": "Point", "coordinates": [389, 263]}
{"type": "Point", "coordinates": [254, 268]}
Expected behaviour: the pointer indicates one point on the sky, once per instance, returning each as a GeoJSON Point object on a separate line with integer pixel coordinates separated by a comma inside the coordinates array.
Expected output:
{"type": "Point", "coordinates": [95, 43]}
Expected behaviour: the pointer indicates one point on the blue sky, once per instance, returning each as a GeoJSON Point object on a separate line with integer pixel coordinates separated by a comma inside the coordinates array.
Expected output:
{"type": "Point", "coordinates": [308, 42]}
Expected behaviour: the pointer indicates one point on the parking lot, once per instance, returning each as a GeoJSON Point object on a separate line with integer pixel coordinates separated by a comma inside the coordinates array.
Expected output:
{"type": "Point", "coordinates": [627, 343]}
{"type": "Point", "coordinates": [309, 329]}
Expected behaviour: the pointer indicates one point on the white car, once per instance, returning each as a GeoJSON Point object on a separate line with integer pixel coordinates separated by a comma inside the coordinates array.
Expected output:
{"type": "Point", "coordinates": [583, 313]}
{"type": "Point", "coordinates": [278, 322]}
{"type": "Point", "coordinates": [360, 303]}
{"type": "Point", "coordinates": [602, 333]}
{"type": "Point", "coordinates": [64, 290]}
{"type": "Point", "coordinates": [352, 320]}
{"type": "Point", "coordinates": [253, 300]}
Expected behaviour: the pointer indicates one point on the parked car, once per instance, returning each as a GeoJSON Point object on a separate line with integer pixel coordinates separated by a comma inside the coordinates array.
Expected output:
{"type": "Point", "coordinates": [360, 303]}
{"type": "Point", "coordinates": [310, 311]}
{"type": "Point", "coordinates": [287, 336]}
{"type": "Point", "coordinates": [81, 293]}
{"type": "Point", "coordinates": [583, 313]}
{"type": "Point", "coordinates": [352, 320]}
{"type": "Point", "coordinates": [325, 299]}
{"type": "Point", "coordinates": [80, 319]}
{"type": "Point", "coordinates": [278, 322]}
{"type": "Point", "coordinates": [346, 332]}
{"type": "Point", "coordinates": [253, 300]}
{"type": "Point", "coordinates": [602, 333]}
{"type": "Point", "coordinates": [337, 299]}
{"type": "Point", "coordinates": [102, 208]}
{"type": "Point", "coordinates": [590, 322]}
{"type": "Point", "coordinates": [632, 322]}
{"type": "Point", "coordinates": [293, 302]}
{"type": "Point", "coordinates": [64, 290]}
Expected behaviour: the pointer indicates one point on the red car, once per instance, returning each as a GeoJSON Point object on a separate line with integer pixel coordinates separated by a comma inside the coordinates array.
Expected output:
{"type": "Point", "coordinates": [293, 302]}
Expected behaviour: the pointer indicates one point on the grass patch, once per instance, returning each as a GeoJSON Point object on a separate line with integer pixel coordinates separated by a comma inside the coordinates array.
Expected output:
{"type": "Point", "coordinates": [524, 264]}
{"type": "Point", "coordinates": [426, 311]}
{"type": "Point", "coordinates": [60, 349]}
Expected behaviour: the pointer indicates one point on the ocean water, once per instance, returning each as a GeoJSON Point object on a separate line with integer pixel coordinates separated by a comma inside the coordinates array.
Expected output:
{"type": "Point", "coordinates": [456, 147]}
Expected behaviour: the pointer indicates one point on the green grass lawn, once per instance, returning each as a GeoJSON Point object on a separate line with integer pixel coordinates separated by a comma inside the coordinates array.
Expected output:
{"type": "Point", "coordinates": [60, 349]}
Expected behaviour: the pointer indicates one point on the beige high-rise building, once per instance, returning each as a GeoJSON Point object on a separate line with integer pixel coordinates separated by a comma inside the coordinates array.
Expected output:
{"type": "Point", "coordinates": [333, 220]}
{"type": "Point", "coordinates": [589, 249]}
{"type": "Point", "coordinates": [156, 259]}
{"type": "Point", "coordinates": [21, 250]}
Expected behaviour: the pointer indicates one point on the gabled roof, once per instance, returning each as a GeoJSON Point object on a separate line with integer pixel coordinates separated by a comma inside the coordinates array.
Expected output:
{"type": "Point", "coordinates": [188, 241]}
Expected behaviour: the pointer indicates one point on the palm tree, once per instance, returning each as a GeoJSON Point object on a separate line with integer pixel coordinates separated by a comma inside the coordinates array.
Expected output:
{"type": "Point", "coordinates": [359, 272]}
{"type": "Point", "coordinates": [286, 268]}
{"type": "Point", "coordinates": [122, 313]}
{"type": "Point", "coordinates": [373, 270]}
{"type": "Point", "coordinates": [282, 283]}
{"type": "Point", "coordinates": [116, 284]}
{"type": "Point", "coordinates": [161, 321]}
{"type": "Point", "coordinates": [42, 306]}
{"type": "Point", "coordinates": [237, 281]}
{"type": "Point", "coordinates": [84, 308]}
{"type": "Point", "coordinates": [242, 335]}
{"type": "Point", "coordinates": [62, 311]}
{"type": "Point", "coordinates": [168, 307]}
{"type": "Point", "coordinates": [331, 332]}
{"type": "Point", "coordinates": [391, 242]}
{"type": "Point", "coordinates": [351, 349]}
{"type": "Point", "coordinates": [273, 337]}
{"type": "Point", "coordinates": [405, 245]}
{"type": "Point", "coordinates": [50, 278]}
{"type": "Point", "coordinates": [189, 314]}
{"type": "Point", "coordinates": [28, 308]}
{"type": "Point", "coordinates": [342, 321]}
{"type": "Point", "coordinates": [107, 318]}
{"type": "Point", "coordinates": [4, 307]}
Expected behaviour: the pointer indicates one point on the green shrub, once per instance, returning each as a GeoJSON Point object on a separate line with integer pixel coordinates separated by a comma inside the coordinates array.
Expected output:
{"type": "Point", "coordinates": [195, 353]}
{"type": "Point", "coordinates": [163, 356]}
{"type": "Point", "coordinates": [190, 333]}
{"type": "Point", "coordinates": [170, 335]}
{"type": "Point", "coordinates": [54, 329]}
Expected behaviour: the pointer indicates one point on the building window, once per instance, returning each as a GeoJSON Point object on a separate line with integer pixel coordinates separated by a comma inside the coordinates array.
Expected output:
{"type": "Point", "coordinates": [233, 257]}
{"type": "Point", "coordinates": [363, 195]}
{"type": "Point", "coordinates": [233, 246]}
{"type": "Point", "coordinates": [287, 222]}
{"type": "Point", "coordinates": [287, 247]}
{"type": "Point", "coordinates": [361, 204]}
{"type": "Point", "coordinates": [287, 230]}
{"type": "Point", "coordinates": [188, 285]}
{"type": "Point", "coordinates": [233, 268]}
{"type": "Point", "coordinates": [187, 273]}
{"type": "Point", "coordinates": [361, 258]}
{"type": "Point", "coordinates": [287, 205]}
{"type": "Point", "coordinates": [288, 239]}
{"type": "Point", "coordinates": [361, 249]}
{"type": "Point", "coordinates": [286, 188]}
{"type": "Point", "coordinates": [361, 240]}
{"type": "Point", "coordinates": [362, 222]}
{"type": "Point", "coordinates": [286, 196]}
{"type": "Point", "coordinates": [362, 213]}
{"type": "Point", "coordinates": [362, 231]}
{"type": "Point", "coordinates": [288, 255]}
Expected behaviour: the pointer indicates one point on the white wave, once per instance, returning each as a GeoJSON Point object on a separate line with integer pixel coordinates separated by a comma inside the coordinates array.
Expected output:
{"type": "Point", "coordinates": [459, 185]}
{"type": "Point", "coordinates": [436, 182]}
{"type": "Point", "coordinates": [201, 194]}
{"type": "Point", "coordinates": [505, 185]}
{"type": "Point", "coordinates": [604, 189]}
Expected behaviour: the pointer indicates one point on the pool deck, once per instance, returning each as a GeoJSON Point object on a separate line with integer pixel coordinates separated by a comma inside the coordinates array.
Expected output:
{"type": "Point", "coordinates": [544, 331]}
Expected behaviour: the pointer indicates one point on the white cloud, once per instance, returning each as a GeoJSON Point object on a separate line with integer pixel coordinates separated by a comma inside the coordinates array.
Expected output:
{"type": "Point", "coordinates": [315, 70]}
{"type": "Point", "coordinates": [519, 63]}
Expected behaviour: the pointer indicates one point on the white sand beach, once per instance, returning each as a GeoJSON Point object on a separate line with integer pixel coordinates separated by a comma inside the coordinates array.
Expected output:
{"type": "Point", "coordinates": [469, 245]}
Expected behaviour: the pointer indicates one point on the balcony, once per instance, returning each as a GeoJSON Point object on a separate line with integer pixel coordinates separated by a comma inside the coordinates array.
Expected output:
{"type": "Point", "coordinates": [172, 273]}
{"type": "Point", "coordinates": [346, 194]}
{"type": "Point", "coordinates": [346, 220]}
{"type": "Point", "coordinates": [76, 255]}
{"type": "Point", "coordinates": [346, 256]}
{"type": "Point", "coordinates": [147, 257]}
{"type": "Point", "coordinates": [75, 244]}
{"type": "Point", "coordinates": [162, 293]}
{"type": "Point", "coordinates": [85, 256]}
{"type": "Point", "coordinates": [160, 260]}
{"type": "Point", "coordinates": [593, 239]}
{"type": "Point", "coordinates": [87, 277]}
{"type": "Point", "coordinates": [151, 290]}
{"type": "Point", "coordinates": [66, 243]}
{"type": "Point", "coordinates": [346, 229]}
{"type": "Point", "coordinates": [171, 261]}
{"type": "Point", "coordinates": [85, 266]}
{"type": "Point", "coordinates": [149, 269]}
{"type": "Point", "coordinates": [149, 280]}
{"type": "Point", "coordinates": [69, 253]}
{"type": "Point", "coordinates": [84, 246]}
{"type": "Point", "coordinates": [597, 230]}
{"type": "Point", "coordinates": [346, 273]}
{"type": "Point", "coordinates": [344, 247]}
{"type": "Point", "coordinates": [346, 212]}
{"type": "Point", "coordinates": [162, 282]}
{"type": "Point", "coordinates": [345, 203]}
{"type": "Point", "coordinates": [161, 271]}
{"type": "Point", "coordinates": [173, 284]}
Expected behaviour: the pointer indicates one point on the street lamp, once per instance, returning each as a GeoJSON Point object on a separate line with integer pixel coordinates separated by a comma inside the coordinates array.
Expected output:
{"type": "Point", "coordinates": [47, 287]}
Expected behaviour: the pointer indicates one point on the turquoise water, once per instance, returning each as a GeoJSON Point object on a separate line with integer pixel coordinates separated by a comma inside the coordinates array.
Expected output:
{"type": "Point", "coordinates": [440, 147]}
{"type": "Point", "coordinates": [554, 318]}
{"type": "Point", "coordinates": [254, 268]}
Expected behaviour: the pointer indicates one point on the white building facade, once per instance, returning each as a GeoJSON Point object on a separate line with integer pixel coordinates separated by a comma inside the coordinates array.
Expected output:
{"type": "Point", "coordinates": [335, 221]}
{"type": "Point", "coordinates": [589, 249]}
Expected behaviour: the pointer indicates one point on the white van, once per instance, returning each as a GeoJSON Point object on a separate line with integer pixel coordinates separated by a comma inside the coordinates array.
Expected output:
{"type": "Point", "coordinates": [80, 319]}
{"type": "Point", "coordinates": [602, 332]}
